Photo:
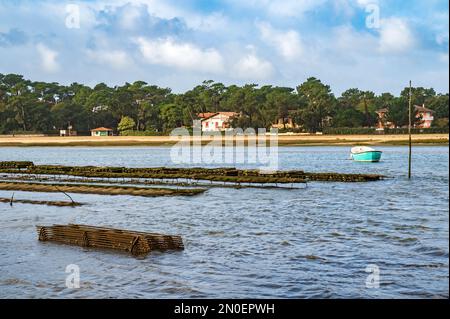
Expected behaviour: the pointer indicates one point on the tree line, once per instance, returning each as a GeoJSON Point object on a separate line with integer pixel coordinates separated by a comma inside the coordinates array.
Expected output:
{"type": "Point", "coordinates": [27, 106]}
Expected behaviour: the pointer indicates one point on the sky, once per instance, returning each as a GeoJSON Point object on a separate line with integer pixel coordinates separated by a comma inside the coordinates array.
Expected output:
{"type": "Point", "coordinates": [376, 45]}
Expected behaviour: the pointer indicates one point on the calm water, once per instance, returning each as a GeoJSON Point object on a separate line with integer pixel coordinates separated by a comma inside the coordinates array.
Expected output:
{"type": "Point", "coordinates": [306, 243]}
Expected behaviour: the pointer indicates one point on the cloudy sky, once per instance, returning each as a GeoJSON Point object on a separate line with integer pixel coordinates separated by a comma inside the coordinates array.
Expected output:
{"type": "Point", "coordinates": [370, 44]}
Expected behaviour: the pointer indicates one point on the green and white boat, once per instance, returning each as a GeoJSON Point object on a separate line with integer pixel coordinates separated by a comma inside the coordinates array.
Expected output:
{"type": "Point", "coordinates": [365, 154]}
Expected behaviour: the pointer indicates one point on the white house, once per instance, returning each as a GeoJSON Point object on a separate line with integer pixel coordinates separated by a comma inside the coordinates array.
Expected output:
{"type": "Point", "coordinates": [102, 131]}
{"type": "Point", "coordinates": [219, 121]}
{"type": "Point", "coordinates": [69, 132]}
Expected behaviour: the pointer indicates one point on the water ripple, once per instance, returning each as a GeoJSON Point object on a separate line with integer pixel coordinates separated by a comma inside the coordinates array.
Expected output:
{"type": "Point", "coordinates": [311, 243]}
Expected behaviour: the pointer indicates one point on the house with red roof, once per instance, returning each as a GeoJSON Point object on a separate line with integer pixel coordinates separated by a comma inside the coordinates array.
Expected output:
{"type": "Point", "coordinates": [218, 121]}
{"type": "Point", "coordinates": [425, 114]}
{"type": "Point", "coordinates": [102, 131]}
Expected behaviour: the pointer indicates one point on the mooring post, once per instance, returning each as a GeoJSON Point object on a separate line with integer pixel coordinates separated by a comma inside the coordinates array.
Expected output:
{"type": "Point", "coordinates": [409, 130]}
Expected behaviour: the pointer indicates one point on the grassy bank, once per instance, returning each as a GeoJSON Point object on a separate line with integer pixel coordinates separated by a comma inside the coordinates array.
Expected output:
{"type": "Point", "coordinates": [283, 140]}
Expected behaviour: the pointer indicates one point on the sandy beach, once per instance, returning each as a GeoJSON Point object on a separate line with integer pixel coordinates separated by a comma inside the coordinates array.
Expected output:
{"type": "Point", "coordinates": [283, 140]}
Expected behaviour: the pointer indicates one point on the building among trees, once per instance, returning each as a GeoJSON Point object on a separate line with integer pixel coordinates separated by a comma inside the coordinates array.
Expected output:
{"type": "Point", "coordinates": [218, 121]}
{"type": "Point", "coordinates": [68, 132]}
{"type": "Point", "coordinates": [423, 118]}
{"type": "Point", "coordinates": [36, 107]}
{"type": "Point", "coordinates": [383, 122]}
{"type": "Point", "coordinates": [102, 131]}
{"type": "Point", "coordinates": [286, 122]}
{"type": "Point", "coordinates": [426, 116]}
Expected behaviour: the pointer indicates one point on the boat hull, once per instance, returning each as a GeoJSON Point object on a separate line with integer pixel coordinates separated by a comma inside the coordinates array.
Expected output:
{"type": "Point", "coordinates": [372, 156]}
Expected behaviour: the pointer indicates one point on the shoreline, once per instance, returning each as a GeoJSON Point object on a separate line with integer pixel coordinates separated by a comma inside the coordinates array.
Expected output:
{"type": "Point", "coordinates": [283, 140]}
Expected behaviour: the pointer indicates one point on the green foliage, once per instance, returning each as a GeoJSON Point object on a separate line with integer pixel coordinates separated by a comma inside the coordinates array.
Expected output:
{"type": "Point", "coordinates": [349, 117]}
{"type": "Point", "coordinates": [348, 131]}
{"type": "Point", "coordinates": [172, 116]}
{"type": "Point", "coordinates": [420, 95]}
{"type": "Point", "coordinates": [140, 133]}
{"type": "Point", "coordinates": [404, 130]}
{"type": "Point", "coordinates": [319, 103]}
{"type": "Point", "coordinates": [365, 102]}
{"type": "Point", "coordinates": [439, 104]}
{"type": "Point", "coordinates": [126, 124]}
{"type": "Point", "coordinates": [441, 123]}
{"type": "Point", "coordinates": [369, 131]}
{"type": "Point", "coordinates": [398, 113]}
{"type": "Point", "coordinates": [139, 108]}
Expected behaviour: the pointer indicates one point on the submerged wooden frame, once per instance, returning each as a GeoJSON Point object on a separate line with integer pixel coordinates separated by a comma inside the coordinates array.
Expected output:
{"type": "Point", "coordinates": [134, 242]}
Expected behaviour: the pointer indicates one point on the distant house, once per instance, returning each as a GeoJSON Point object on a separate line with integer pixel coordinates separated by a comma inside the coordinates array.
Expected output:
{"type": "Point", "coordinates": [382, 122]}
{"type": "Point", "coordinates": [102, 131]}
{"type": "Point", "coordinates": [286, 122]}
{"type": "Point", "coordinates": [203, 116]}
{"type": "Point", "coordinates": [69, 132]}
{"type": "Point", "coordinates": [218, 121]}
{"type": "Point", "coordinates": [425, 114]}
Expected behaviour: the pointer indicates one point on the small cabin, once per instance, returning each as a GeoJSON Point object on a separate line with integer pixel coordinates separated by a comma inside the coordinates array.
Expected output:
{"type": "Point", "coordinates": [102, 131]}
{"type": "Point", "coordinates": [67, 133]}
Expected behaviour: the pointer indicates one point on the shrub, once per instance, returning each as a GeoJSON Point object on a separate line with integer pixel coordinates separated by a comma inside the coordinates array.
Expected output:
{"type": "Point", "coordinates": [126, 124]}
{"type": "Point", "coordinates": [140, 133]}
{"type": "Point", "coordinates": [394, 131]}
{"type": "Point", "coordinates": [348, 130]}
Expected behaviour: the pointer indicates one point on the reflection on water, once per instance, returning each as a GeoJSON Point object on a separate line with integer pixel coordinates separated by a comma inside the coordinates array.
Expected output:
{"type": "Point", "coordinates": [306, 243]}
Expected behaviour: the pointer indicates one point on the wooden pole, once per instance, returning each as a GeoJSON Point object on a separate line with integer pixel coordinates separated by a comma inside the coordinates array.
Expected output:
{"type": "Point", "coordinates": [409, 130]}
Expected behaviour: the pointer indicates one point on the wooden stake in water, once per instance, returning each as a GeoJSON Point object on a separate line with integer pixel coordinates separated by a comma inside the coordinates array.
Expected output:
{"type": "Point", "coordinates": [409, 129]}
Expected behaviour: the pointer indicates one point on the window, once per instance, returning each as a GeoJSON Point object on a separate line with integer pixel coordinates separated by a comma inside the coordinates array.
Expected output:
{"type": "Point", "coordinates": [207, 124]}
{"type": "Point", "coordinates": [217, 124]}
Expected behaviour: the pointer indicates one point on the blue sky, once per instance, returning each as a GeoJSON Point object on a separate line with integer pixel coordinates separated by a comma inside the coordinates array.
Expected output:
{"type": "Point", "coordinates": [374, 45]}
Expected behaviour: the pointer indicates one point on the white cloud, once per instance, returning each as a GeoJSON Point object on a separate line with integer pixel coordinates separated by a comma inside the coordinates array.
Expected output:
{"type": "Point", "coordinates": [48, 58]}
{"type": "Point", "coordinates": [395, 36]}
{"type": "Point", "coordinates": [115, 58]}
{"type": "Point", "coordinates": [186, 56]}
{"type": "Point", "coordinates": [252, 67]}
{"type": "Point", "coordinates": [327, 44]}
{"type": "Point", "coordinates": [214, 22]}
{"type": "Point", "coordinates": [291, 8]}
{"type": "Point", "coordinates": [343, 7]}
{"type": "Point", "coordinates": [287, 43]}
{"type": "Point", "coordinates": [129, 16]}
{"type": "Point", "coordinates": [160, 8]}
{"type": "Point", "coordinates": [444, 58]}
{"type": "Point", "coordinates": [347, 41]}
{"type": "Point", "coordinates": [365, 3]}
{"type": "Point", "coordinates": [285, 8]}
{"type": "Point", "coordinates": [440, 26]}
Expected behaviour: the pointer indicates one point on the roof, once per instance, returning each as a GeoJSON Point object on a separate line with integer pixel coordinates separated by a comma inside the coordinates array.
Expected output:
{"type": "Point", "coordinates": [229, 113]}
{"type": "Point", "coordinates": [422, 109]}
{"type": "Point", "coordinates": [205, 116]}
{"type": "Point", "coordinates": [417, 107]}
{"type": "Point", "coordinates": [101, 129]}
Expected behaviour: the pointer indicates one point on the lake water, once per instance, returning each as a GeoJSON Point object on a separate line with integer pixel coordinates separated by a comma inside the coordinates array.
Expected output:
{"type": "Point", "coordinates": [314, 242]}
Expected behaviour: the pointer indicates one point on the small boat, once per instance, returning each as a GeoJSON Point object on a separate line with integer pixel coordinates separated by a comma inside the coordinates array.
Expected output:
{"type": "Point", "coordinates": [365, 154]}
